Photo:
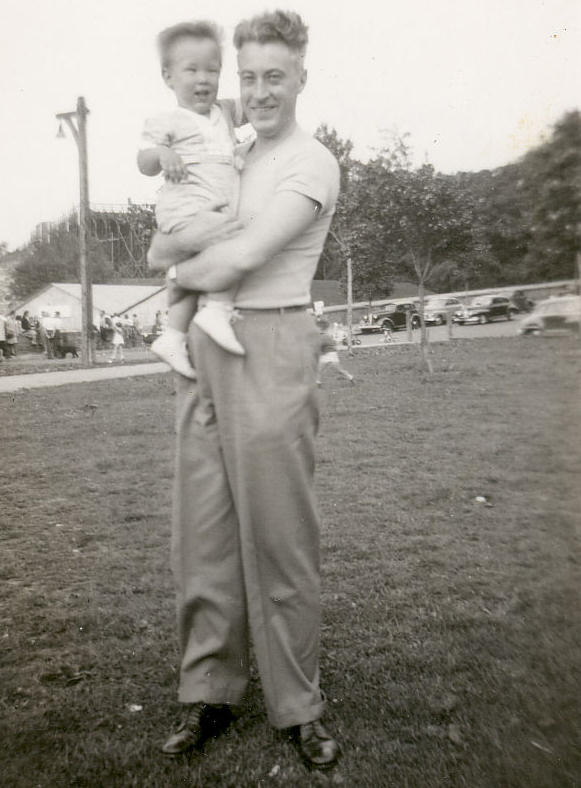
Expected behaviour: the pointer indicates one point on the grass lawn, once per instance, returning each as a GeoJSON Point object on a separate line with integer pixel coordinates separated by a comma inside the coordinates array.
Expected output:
{"type": "Point", "coordinates": [451, 646]}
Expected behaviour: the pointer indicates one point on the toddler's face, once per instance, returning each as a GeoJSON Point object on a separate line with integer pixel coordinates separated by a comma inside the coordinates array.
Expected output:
{"type": "Point", "coordinates": [193, 73]}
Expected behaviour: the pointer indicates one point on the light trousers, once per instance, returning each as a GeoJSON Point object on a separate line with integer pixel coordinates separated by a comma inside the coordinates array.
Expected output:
{"type": "Point", "coordinates": [245, 543]}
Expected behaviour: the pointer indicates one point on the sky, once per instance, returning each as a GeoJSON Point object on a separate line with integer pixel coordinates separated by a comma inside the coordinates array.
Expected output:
{"type": "Point", "coordinates": [475, 85]}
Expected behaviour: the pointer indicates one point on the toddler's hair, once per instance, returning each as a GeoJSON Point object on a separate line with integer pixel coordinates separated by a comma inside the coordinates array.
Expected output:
{"type": "Point", "coordinates": [284, 26]}
{"type": "Point", "coordinates": [198, 29]}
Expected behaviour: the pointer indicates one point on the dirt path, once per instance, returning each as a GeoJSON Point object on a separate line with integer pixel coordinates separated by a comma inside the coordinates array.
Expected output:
{"type": "Point", "coordinates": [36, 380]}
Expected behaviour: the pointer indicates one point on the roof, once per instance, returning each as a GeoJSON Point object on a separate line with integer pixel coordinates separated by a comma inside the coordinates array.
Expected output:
{"type": "Point", "coordinates": [112, 298]}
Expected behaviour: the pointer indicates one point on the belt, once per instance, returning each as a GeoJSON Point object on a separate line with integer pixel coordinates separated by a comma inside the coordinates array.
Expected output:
{"type": "Point", "coordinates": [276, 310]}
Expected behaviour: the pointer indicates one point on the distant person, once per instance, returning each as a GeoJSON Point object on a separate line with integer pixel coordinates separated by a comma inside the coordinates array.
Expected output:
{"type": "Point", "coordinates": [118, 342]}
{"type": "Point", "coordinates": [2, 337]}
{"type": "Point", "coordinates": [46, 328]}
{"type": "Point", "coordinates": [11, 330]}
{"type": "Point", "coordinates": [329, 357]}
{"type": "Point", "coordinates": [138, 336]}
{"type": "Point", "coordinates": [193, 145]}
{"type": "Point", "coordinates": [28, 327]}
{"type": "Point", "coordinates": [107, 328]}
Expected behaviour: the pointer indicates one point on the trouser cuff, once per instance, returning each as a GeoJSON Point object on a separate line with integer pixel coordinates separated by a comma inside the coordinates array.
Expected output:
{"type": "Point", "coordinates": [291, 718]}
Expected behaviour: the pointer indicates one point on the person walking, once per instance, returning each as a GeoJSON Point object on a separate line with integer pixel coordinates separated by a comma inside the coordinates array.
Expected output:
{"type": "Point", "coordinates": [245, 543]}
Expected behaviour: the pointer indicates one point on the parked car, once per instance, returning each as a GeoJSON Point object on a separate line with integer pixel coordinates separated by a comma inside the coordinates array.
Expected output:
{"type": "Point", "coordinates": [557, 314]}
{"type": "Point", "coordinates": [436, 310]}
{"type": "Point", "coordinates": [483, 309]}
{"type": "Point", "coordinates": [391, 317]}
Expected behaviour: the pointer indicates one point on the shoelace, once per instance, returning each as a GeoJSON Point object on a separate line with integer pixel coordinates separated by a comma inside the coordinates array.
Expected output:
{"type": "Point", "coordinates": [193, 716]}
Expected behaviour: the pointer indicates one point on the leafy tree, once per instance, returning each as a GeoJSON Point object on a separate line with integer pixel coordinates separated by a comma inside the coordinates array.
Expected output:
{"type": "Point", "coordinates": [332, 263]}
{"type": "Point", "coordinates": [528, 212]}
{"type": "Point", "coordinates": [552, 178]}
{"type": "Point", "coordinates": [500, 227]}
{"type": "Point", "coordinates": [57, 260]}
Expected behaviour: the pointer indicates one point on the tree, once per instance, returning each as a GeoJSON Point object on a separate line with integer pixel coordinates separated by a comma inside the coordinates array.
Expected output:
{"type": "Point", "coordinates": [552, 179]}
{"type": "Point", "coordinates": [500, 228]}
{"type": "Point", "coordinates": [57, 260]}
{"type": "Point", "coordinates": [332, 263]}
{"type": "Point", "coordinates": [528, 212]}
{"type": "Point", "coordinates": [427, 227]}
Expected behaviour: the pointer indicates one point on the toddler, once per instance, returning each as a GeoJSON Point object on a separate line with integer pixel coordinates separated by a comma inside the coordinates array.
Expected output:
{"type": "Point", "coordinates": [193, 145]}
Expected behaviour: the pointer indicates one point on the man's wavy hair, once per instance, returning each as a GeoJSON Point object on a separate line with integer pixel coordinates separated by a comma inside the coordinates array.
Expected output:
{"type": "Point", "coordinates": [284, 26]}
{"type": "Point", "coordinates": [199, 29]}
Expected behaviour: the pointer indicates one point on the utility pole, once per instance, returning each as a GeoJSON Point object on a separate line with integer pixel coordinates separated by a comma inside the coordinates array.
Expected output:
{"type": "Point", "coordinates": [79, 133]}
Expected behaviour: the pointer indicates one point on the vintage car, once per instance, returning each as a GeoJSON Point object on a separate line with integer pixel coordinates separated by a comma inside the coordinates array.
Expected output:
{"type": "Point", "coordinates": [560, 314]}
{"type": "Point", "coordinates": [437, 309]}
{"type": "Point", "coordinates": [484, 309]}
{"type": "Point", "coordinates": [391, 317]}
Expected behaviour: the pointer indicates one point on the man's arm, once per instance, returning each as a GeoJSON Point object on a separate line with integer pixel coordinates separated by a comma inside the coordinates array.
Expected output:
{"type": "Point", "coordinates": [219, 267]}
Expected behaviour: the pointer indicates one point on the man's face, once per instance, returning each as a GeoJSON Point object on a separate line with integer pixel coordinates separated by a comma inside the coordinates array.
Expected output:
{"type": "Point", "coordinates": [193, 73]}
{"type": "Point", "coordinates": [271, 78]}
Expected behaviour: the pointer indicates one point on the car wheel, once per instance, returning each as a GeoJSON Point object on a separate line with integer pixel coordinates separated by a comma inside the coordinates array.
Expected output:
{"type": "Point", "coordinates": [482, 319]}
{"type": "Point", "coordinates": [416, 322]}
{"type": "Point", "coordinates": [387, 325]}
{"type": "Point", "coordinates": [439, 320]}
{"type": "Point", "coordinates": [509, 315]}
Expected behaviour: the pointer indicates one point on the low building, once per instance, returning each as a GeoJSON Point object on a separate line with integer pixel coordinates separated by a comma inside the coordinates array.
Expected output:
{"type": "Point", "coordinates": [128, 296]}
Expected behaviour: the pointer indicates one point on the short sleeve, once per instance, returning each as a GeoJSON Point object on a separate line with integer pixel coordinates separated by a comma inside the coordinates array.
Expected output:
{"type": "Point", "coordinates": [156, 131]}
{"type": "Point", "coordinates": [313, 172]}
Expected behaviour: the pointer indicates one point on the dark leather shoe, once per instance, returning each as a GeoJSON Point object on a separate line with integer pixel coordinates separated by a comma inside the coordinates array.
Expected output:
{"type": "Point", "coordinates": [317, 747]}
{"type": "Point", "coordinates": [189, 733]}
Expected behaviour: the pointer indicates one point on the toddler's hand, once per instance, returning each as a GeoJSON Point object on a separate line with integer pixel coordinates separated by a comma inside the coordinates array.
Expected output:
{"type": "Point", "coordinates": [174, 292]}
{"type": "Point", "coordinates": [172, 165]}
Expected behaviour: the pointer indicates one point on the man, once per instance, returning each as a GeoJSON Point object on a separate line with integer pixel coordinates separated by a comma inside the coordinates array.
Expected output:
{"type": "Point", "coordinates": [11, 330]}
{"type": "Point", "coordinates": [246, 531]}
{"type": "Point", "coordinates": [47, 331]}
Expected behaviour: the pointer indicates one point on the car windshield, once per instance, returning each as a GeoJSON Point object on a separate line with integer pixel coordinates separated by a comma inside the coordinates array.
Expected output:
{"type": "Point", "coordinates": [482, 301]}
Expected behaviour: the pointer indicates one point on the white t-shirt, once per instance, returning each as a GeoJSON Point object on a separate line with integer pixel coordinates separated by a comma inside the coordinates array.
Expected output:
{"type": "Point", "coordinates": [300, 164]}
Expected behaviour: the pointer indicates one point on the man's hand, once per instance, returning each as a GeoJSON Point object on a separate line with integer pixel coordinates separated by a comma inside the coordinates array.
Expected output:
{"type": "Point", "coordinates": [206, 229]}
{"type": "Point", "coordinates": [172, 165]}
